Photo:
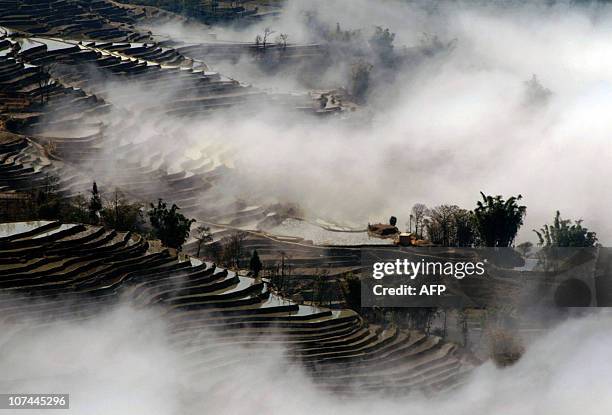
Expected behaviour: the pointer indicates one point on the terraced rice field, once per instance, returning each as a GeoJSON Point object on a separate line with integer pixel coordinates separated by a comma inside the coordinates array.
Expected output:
{"type": "Point", "coordinates": [73, 272]}
{"type": "Point", "coordinates": [62, 125]}
{"type": "Point", "coordinates": [62, 122]}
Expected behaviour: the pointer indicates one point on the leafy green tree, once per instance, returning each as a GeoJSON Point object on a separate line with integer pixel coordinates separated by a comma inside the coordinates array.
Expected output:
{"type": "Point", "coordinates": [255, 265]}
{"type": "Point", "coordinates": [170, 226]}
{"type": "Point", "coordinates": [465, 232]}
{"type": "Point", "coordinates": [564, 233]}
{"type": "Point", "coordinates": [498, 220]}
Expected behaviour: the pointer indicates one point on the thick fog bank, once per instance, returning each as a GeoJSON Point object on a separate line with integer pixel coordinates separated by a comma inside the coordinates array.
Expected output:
{"type": "Point", "coordinates": [123, 362]}
{"type": "Point", "coordinates": [447, 126]}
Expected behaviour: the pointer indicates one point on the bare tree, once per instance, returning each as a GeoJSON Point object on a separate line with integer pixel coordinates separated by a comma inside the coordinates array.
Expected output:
{"type": "Point", "coordinates": [418, 215]}
{"type": "Point", "coordinates": [203, 236]}
{"type": "Point", "coordinates": [441, 228]}
{"type": "Point", "coordinates": [267, 33]}
{"type": "Point", "coordinates": [44, 81]}
{"type": "Point", "coordinates": [215, 252]}
{"type": "Point", "coordinates": [233, 249]}
{"type": "Point", "coordinates": [284, 270]}
{"type": "Point", "coordinates": [120, 214]}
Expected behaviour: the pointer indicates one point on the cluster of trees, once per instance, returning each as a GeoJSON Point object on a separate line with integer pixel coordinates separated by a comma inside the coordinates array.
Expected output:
{"type": "Point", "coordinates": [229, 251]}
{"type": "Point", "coordinates": [381, 55]}
{"type": "Point", "coordinates": [115, 212]}
{"type": "Point", "coordinates": [449, 225]}
{"type": "Point", "coordinates": [564, 233]}
{"type": "Point", "coordinates": [368, 57]}
{"type": "Point", "coordinates": [263, 40]}
{"type": "Point", "coordinates": [381, 42]}
{"type": "Point", "coordinates": [494, 222]}
{"type": "Point", "coordinates": [372, 56]}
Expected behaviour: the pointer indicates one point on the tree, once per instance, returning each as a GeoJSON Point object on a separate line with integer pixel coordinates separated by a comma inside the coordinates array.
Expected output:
{"type": "Point", "coordinates": [203, 236]}
{"type": "Point", "coordinates": [321, 289]}
{"type": "Point", "coordinates": [95, 205]}
{"type": "Point", "coordinates": [121, 215]}
{"type": "Point", "coordinates": [44, 82]}
{"type": "Point", "coordinates": [441, 227]}
{"type": "Point", "coordinates": [215, 252]}
{"type": "Point", "coordinates": [170, 226]}
{"type": "Point", "coordinates": [280, 273]}
{"type": "Point", "coordinates": [267, 33]}
{"type": "Point", "coordinates": [382, 44]}
{"type": "Point", "coordinates": [465, 233]}
{"type": "Point", "coordinates": [450, 225]}
{"type": "Point", "coordinates": [232, 249]}
{"type": "Point", "coordinates": [351, 288]}
{"type": "Point", "coordinates": [48, 203]}
{"type": "Point", "coordinates": [255, 265]}
{"type": "Point", "coordinates": [562, 233]}
{"type": "Point", "coordinates": [419, 212]}
{"type": "Point", "coordinates": [360, 80]}
{"type": "Point", "coordinates": [498, 220]}
{"type": "Point", "coordinates": [76, 210]}
{"type": "Point", "coordinates": [536, 92]}
{"type": "Point", "coordinates": [282, 40]}
{"type": "Point", "coordinates": [339, 35]}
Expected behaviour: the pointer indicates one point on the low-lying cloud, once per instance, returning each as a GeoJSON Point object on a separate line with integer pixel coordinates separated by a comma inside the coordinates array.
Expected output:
{"type": "Point", "coordinates": [449, 126]}
{"type": "Point", "coordinates": [440, 129]}
{"type": "Point", "coordinates": [124, 362]}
